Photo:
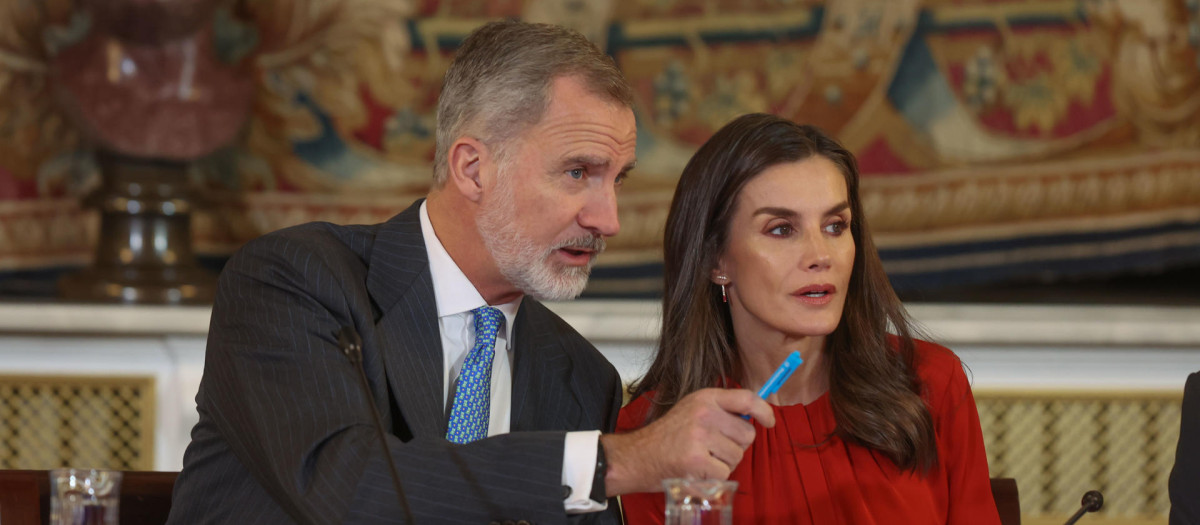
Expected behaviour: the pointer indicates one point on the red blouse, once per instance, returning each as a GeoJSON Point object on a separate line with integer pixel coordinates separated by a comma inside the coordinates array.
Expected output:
{"type": "Point", "coordinates": [782, 480]}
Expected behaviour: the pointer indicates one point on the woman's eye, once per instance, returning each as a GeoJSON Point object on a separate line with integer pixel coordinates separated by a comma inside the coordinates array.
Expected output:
{"type": "Point", "coordinates": [783, 230]}
{"type": "Point", "coordinates": [576, 173]}
{"type": "Point", "coordinates": [836, 228]}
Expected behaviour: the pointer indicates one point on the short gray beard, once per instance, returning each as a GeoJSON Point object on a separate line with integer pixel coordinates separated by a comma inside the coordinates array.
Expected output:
{"type": "Point", "coordinates": [520, 260]}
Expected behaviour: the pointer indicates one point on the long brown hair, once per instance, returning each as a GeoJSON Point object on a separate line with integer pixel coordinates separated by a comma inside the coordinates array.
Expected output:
{"type": "Point", "coordinates": [874, 388]}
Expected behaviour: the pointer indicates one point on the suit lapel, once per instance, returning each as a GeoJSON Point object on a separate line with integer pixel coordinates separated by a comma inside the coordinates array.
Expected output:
{"type": "Point", "coordinates": [408, 336]}
{"type": "Point", "coordinates": [544, 396]}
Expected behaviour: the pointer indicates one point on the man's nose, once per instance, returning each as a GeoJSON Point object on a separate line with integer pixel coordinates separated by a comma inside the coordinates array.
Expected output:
{"type": "Point", "coordinates": [599, 215]}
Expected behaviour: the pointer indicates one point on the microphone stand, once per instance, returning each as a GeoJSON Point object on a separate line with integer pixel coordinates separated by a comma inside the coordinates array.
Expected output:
{"type": "Point", "coordinates": [351, 345]}
{"type": "Point", "coordinates": [1092, 501]}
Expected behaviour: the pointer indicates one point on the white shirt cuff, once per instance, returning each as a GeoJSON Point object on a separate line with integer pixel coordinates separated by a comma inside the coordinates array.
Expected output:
{"type": "Point", "coordinates": [579, 469]}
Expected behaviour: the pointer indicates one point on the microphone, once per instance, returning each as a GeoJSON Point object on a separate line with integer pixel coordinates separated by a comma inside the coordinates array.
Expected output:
{"type": "Point", "coordinates": [351, 345]}
{"type": "Point", "coordinates": [1092, 501]}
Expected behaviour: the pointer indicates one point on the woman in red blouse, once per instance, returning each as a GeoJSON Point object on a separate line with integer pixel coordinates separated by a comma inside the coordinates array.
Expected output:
{"type": "Point", "coordinates": [766, 252]}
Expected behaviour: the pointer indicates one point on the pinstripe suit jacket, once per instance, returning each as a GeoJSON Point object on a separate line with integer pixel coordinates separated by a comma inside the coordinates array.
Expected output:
{"type": "Point", "coordinates": [1184, 484]}
{"type": "Point", "coordinates": [285, 434]}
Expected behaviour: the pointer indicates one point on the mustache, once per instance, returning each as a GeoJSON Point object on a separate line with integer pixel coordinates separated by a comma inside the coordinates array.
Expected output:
{"type": "Point", "coordinates": [594, 243]}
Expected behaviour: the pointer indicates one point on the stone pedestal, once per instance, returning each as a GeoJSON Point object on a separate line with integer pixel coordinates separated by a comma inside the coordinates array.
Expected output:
{"type": "Point", "coordinates": [147, 88]}
{"type": "Point", "coordinates": [144, 253]}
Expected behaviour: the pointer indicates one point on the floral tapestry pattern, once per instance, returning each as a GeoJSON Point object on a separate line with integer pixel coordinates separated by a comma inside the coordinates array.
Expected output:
{"type": "Point", "coordinates": [998, 138]}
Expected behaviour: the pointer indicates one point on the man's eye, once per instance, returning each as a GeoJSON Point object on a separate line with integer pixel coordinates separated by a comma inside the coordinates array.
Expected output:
{"type": "Point", "coordinates": [576, 173]}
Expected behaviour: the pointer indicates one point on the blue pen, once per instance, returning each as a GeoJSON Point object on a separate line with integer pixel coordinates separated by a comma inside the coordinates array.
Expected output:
{"type": "Point", "coordinates": [780, 376]}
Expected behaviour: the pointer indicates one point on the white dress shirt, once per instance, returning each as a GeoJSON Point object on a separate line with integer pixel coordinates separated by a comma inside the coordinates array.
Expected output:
{"type": "Point", "coordinates": [456, 297]}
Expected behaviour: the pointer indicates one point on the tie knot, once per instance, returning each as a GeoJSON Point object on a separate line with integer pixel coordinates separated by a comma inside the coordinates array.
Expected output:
{"type": "Point", "coordinates": [487, 320]}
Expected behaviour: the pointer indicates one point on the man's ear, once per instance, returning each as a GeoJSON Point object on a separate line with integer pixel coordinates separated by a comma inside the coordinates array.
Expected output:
{"type": "Point", "coordinates": [466, 158]}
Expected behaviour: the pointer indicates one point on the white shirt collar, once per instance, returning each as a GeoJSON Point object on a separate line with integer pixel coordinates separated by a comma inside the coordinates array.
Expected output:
{"type": "Point", "coordinates": [452, 290]}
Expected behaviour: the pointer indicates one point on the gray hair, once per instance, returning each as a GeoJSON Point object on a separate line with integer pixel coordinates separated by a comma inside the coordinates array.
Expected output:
{"type": "Point", "coordinates": [499, 83]}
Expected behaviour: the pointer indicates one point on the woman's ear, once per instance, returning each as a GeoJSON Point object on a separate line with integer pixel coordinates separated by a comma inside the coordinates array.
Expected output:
{"type": "Point", "coordinates": [719, 276]}
{"type": "Point", "coordinates": [466, 161]}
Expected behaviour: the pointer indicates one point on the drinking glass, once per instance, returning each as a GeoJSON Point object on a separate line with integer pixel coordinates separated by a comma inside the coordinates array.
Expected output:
{"type": "Point", "coordinates": [84, 496]}
{"type": "Point", "coordinates": [699, 501]}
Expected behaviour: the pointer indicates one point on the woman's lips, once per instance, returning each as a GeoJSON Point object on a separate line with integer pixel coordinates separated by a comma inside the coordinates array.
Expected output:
{"type": "Point", "coordinates": [817, 294]}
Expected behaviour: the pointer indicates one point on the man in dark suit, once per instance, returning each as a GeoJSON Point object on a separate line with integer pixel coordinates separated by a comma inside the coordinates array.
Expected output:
{"type": "Point", "coordinates": [494, 405]}
{"type": "Point", "coordinates": [1184, 484]}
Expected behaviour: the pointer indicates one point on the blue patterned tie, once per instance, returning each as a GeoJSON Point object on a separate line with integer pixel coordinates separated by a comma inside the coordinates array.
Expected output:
{"type": "Point", "coordinates": [472, 398]}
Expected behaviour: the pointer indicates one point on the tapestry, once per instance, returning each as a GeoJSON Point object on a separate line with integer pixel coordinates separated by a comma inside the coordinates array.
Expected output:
{"type": "Point", "coordinates": [998, 139]}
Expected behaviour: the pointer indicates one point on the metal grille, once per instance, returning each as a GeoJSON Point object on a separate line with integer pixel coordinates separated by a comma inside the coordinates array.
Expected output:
{"type": "Point", "coordinates": [91, 422]}
{"type": "Point", "coordinates": [1060, 444]}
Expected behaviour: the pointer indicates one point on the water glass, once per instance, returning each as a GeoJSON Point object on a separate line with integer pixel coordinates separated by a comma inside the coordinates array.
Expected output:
{"type": "Point", "coordinates": [699, 501]}
{"type": "Point", "coordinates": [84, 496]}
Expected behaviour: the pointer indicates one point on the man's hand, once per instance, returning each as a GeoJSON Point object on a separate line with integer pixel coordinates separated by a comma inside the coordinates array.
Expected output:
{"type": "Point", "coordinates": [702, 436]}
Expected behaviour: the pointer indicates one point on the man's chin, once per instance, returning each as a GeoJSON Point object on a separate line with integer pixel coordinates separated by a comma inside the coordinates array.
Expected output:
{"type": "Point", "coordinates": [566, 286]}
